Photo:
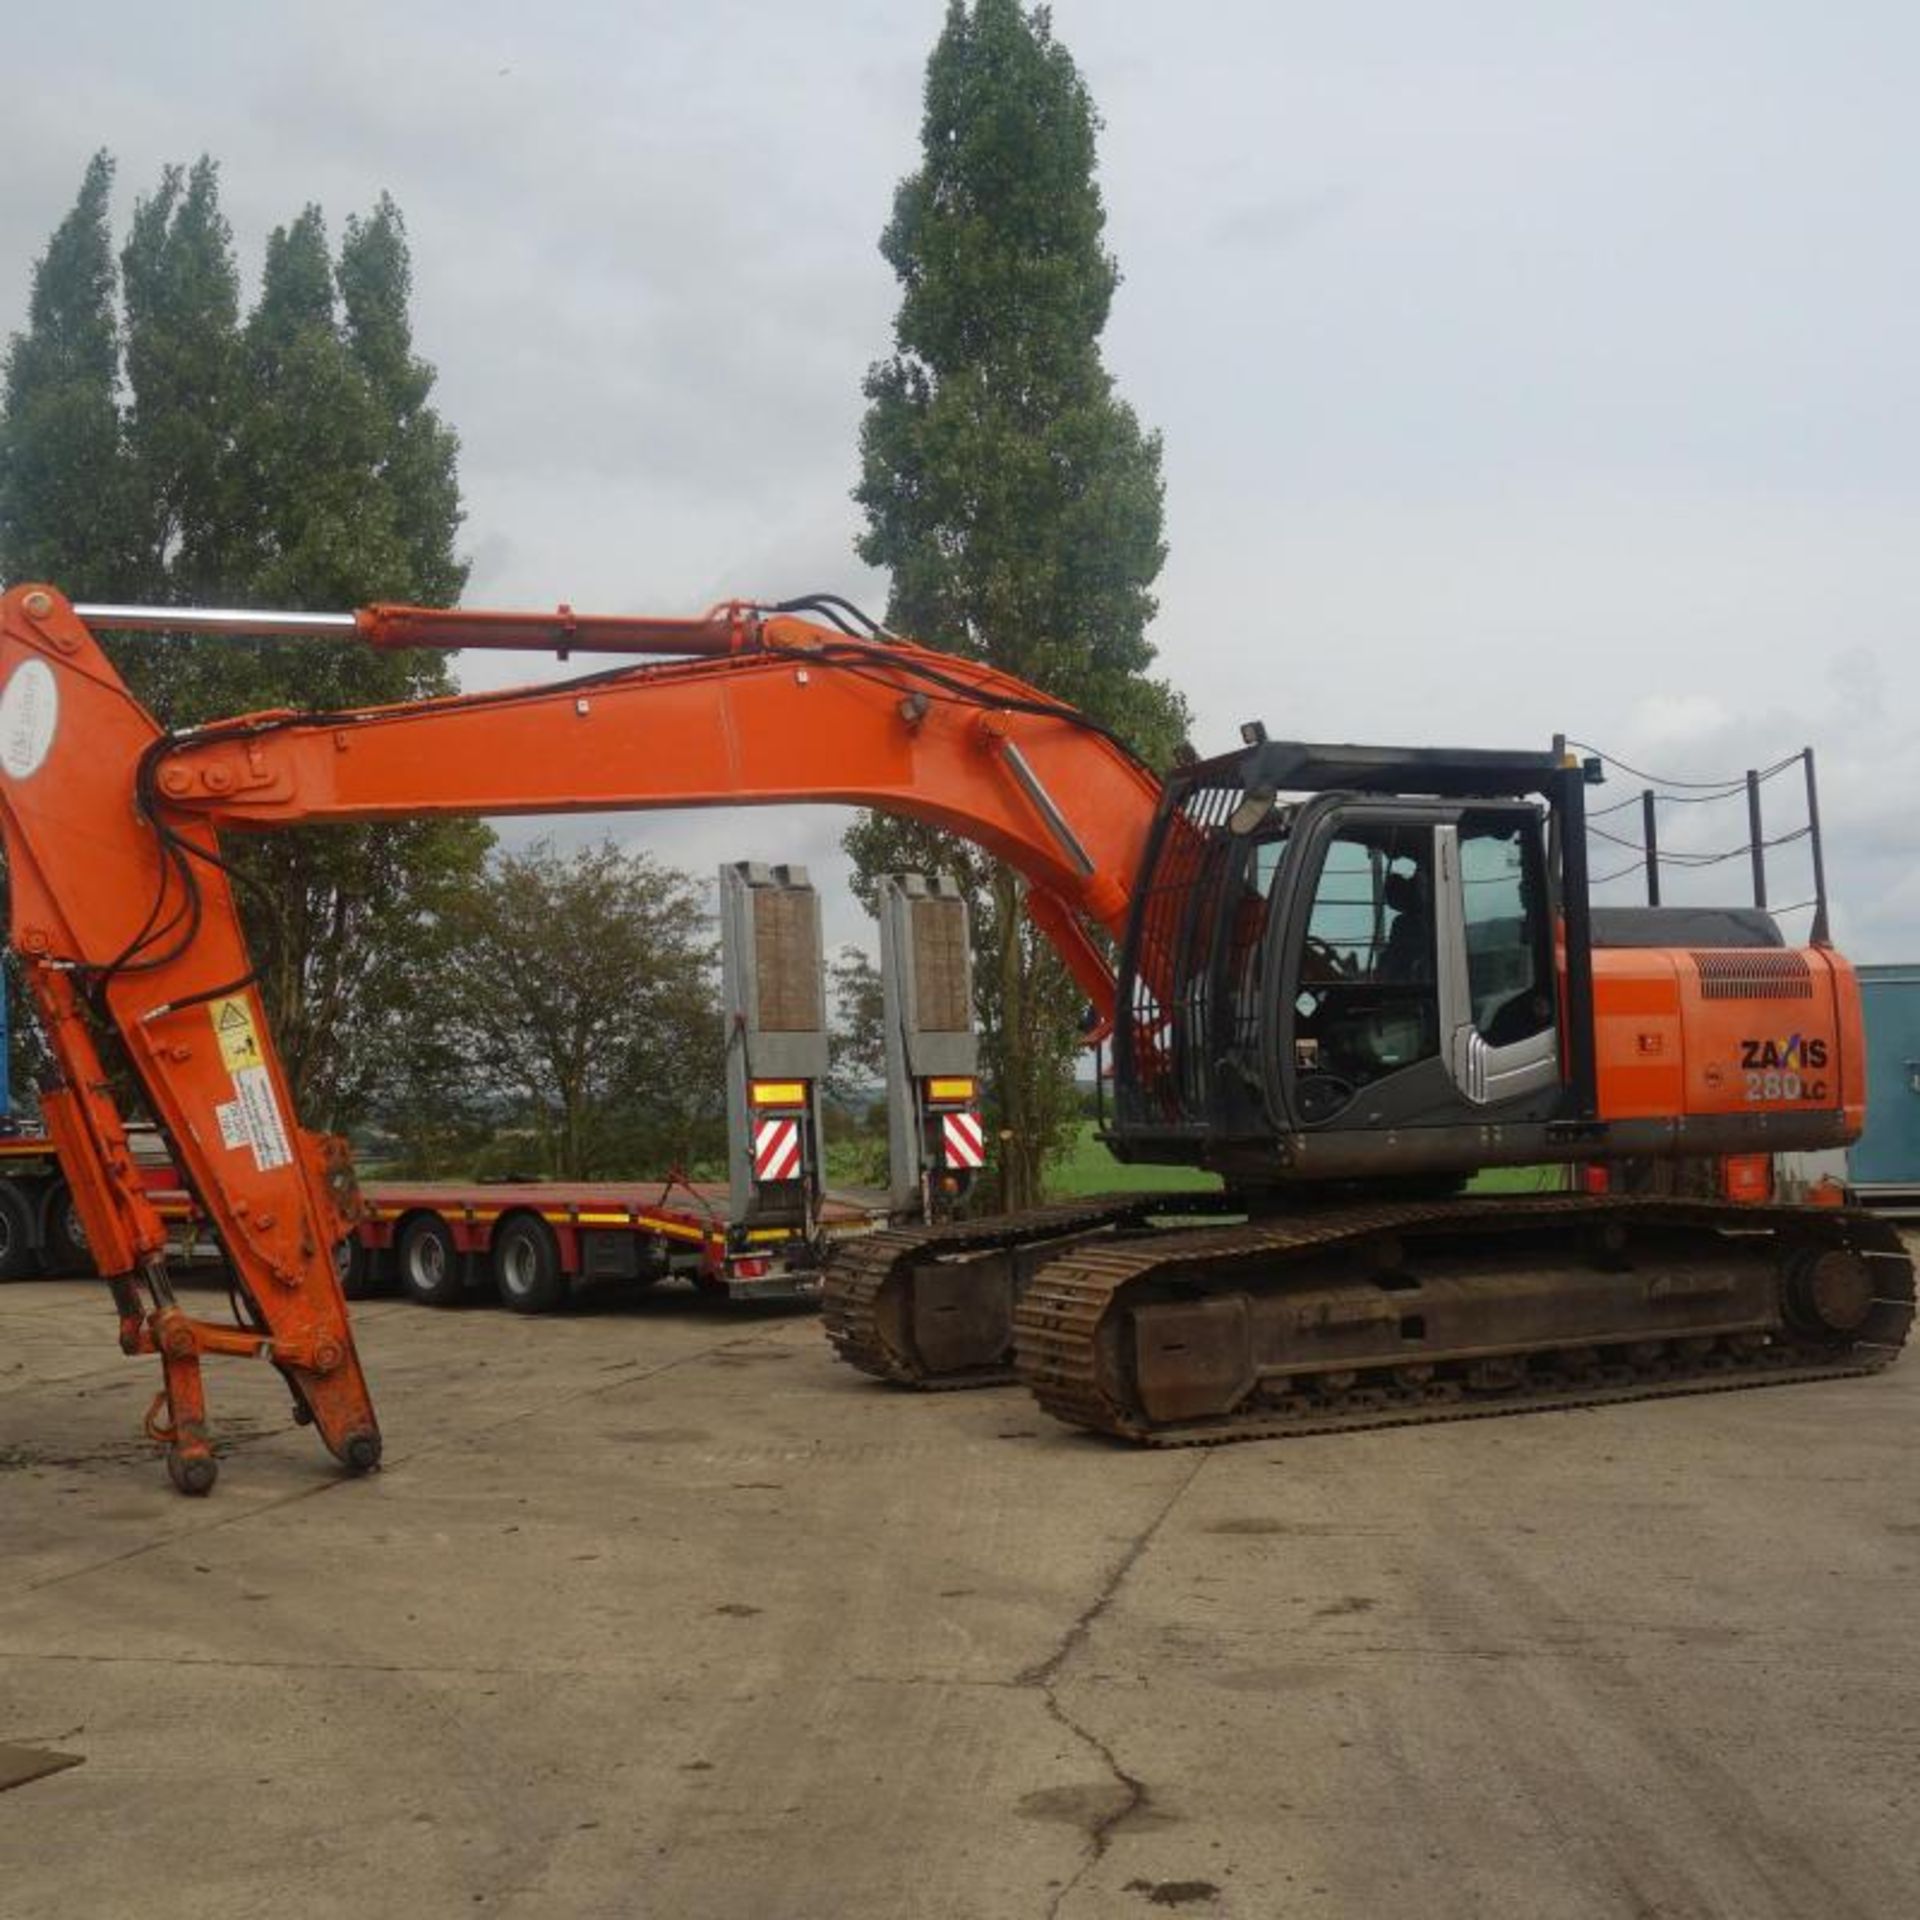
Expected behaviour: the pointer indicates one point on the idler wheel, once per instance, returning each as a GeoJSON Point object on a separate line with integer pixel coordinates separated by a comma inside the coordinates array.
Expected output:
{"type": "Point", "coordinates": [1830, 1292]}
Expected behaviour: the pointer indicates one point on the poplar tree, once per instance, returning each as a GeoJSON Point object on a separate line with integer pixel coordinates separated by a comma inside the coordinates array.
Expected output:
{"type": "Point", "coordinates": [63, 497]}
{"type": "Point", "coordinates": [181, 288]}
{"type": "Point", "coordinates": [1010, 493]}
{"type": "Point", "coordinates": [351, 496]}
{"type": "Point", "coordinates": [157, 445]}
{"type": "Point", "coordinates": [64, 503]}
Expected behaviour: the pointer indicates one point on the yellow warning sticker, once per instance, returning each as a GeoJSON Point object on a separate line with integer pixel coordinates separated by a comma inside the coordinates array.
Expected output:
{"type": "Point", "coordinates": [233, 1027]}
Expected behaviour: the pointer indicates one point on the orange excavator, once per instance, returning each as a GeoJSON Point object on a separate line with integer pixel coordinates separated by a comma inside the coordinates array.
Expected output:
{"type": "Point", "coordinates": [1345, 978]}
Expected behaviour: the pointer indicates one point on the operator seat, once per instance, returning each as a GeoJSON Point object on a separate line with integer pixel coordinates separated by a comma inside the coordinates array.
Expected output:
{"type": "Point", "coordinates": [1406, 955]}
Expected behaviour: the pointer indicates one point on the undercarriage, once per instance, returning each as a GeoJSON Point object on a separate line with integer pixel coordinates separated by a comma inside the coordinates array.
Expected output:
{"type": "Point", "coordinates": [1125, 1319]}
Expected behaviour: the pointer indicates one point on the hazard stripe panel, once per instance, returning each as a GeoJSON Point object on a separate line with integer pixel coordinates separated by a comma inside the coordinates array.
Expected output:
{"type": "Point", "coordinates": [963, 1140]}
{"type": "Point", "coordinates": [776, 1150]}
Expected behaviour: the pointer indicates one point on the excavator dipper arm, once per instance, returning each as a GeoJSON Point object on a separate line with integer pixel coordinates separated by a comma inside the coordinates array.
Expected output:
{"type": "Point", "coordinates": [124, 917]}
{"type": "Point", "coordinates": [129, 940]}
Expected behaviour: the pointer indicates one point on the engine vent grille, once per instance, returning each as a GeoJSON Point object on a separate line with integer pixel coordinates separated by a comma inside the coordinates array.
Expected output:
{"type": "Point", "coordinates": [1754, 974]}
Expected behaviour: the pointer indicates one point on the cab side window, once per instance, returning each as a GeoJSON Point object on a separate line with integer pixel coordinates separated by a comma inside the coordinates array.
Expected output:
{"type": "Point", "coordinates": [1367, 1003]}
{"type": "Point", "coordinates": [1372, 915]}
{"type": "Point", "coordinates": [1503, 892]}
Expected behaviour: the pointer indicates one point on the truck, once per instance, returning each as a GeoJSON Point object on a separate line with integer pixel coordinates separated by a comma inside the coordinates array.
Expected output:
{"type": "Point", "coordinates": [436, 1242]}
{"type": "Point", "coordinates": [40, 1226]}
{"type": "Point", "coordinates": [764, 1234]}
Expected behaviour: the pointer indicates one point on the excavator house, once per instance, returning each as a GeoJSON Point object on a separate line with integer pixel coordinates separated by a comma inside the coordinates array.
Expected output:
{"type": "Point", "coordinates": [1345, 978]}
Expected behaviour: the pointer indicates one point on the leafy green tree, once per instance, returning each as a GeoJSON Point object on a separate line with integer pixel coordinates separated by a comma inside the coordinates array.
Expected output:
{"type": "Point", "coordinates": [585, 989]}
{"type": "Point", "coordinates": [318, 446]}
{"type": "Point", "coordinates": [181, 347]}
{"type": "Point", "coordinates": [430, 1112]}
{"type": "Point", "coordinates": [419, 452]}
{"type": "Point", "coordinates": [1011, 494]}
{"type": "Point", "coordinates": [854, 1111]}
{"type": "Point", "coordinates": [179, 344]}
{"type": "Point", "coordinates": [859, 1025]}
{"type": "Point", "coordinates": [64, 501]}
{"type": "Point", "coordinates": [27, 1056]}
{"type": "Point", "coordinates": [287, 458]}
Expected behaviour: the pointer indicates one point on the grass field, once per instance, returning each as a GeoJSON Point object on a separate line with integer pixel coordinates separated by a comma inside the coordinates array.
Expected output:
{"type": "Point", "coordinates": [1087, 1167]}
{"type": "Point", "coordinates": [1550, 1179]}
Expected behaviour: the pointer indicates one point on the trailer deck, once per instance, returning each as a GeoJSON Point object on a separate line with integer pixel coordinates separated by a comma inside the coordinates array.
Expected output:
{"type": "Point", "coordinates": [633, 1230]}
{"type": "Point", "coordinates": [620, 1230]}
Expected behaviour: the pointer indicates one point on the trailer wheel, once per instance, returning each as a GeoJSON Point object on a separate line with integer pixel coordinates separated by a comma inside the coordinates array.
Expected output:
{"type": "Point", "coordinates": [357, 1266]}
{"type": "Point", "coordinates": [63, 1240]}
{"type": "Point", "coordinates": [16, 1234]}
{"type": "Point", "coordinates": [429, 1262]}
{"type": "Point", "coordinates": [526, 1266]}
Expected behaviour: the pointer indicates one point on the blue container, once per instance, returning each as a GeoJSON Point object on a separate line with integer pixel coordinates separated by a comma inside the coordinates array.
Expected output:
{"type": "Point", "coordinates": [1888, 1153]}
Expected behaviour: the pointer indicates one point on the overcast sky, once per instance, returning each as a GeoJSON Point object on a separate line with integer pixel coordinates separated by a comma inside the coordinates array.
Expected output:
{"type": "Point", "coordinates": [1521, 369]}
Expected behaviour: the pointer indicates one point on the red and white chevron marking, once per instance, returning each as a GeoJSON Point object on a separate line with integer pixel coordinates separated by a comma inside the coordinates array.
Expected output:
{"type": "Point", "coordinates": [776, 1150]}
{"type": "Point", "coordinates": [963, 1140]}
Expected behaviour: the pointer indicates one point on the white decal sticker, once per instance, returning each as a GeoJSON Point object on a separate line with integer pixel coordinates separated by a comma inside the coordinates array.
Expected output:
{"type": "Point", "coordinates": [233, 1125]}
{"type": "Point", "coordinates": [29, 713]}
{"type": "Point", "coordinates": [260, 1115]}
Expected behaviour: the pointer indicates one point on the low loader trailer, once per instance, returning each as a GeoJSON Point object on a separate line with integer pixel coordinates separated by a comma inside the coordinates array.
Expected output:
{"type": "Point", "coordinates": [762, 1234]}
{"type": "Point", "coordinates": [438, 1242]}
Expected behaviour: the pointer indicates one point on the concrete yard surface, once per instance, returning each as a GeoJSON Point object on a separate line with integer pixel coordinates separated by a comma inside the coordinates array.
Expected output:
{"type": "Point", "coordinates": [658, 1611]}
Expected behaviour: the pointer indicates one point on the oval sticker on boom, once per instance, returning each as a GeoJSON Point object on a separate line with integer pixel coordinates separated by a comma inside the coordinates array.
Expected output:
{"type": "Point", "coordinates": [29, 712]}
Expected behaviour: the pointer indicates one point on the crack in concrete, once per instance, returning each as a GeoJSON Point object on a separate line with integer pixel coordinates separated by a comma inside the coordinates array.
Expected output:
{"type": "Point", "coordinates": [1099, 1832]}
{"type": "Point", "coordinates": [1043, 1677]}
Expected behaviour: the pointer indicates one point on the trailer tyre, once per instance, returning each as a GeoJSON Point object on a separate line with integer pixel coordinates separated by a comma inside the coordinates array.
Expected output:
{"type": "Point", "coordinates": [429, 1262]}
{"type": "Point", "coordinates": [526, 1266]}
{"type": "Point", "coordinates": [16, 1234]}
{"type": "Point", "coordinates": [63, 1239]}
{"type": "Point", "coordinates": [358, 1270]}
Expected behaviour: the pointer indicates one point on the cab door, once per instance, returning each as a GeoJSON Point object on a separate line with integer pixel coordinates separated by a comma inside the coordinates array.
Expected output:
{"type": "Point", "coordinates": [1497, 998]}
{"type": "Point", "coordinates": [1416, 987]}
{"type": "Point", "coordinates": [1357, 1001]}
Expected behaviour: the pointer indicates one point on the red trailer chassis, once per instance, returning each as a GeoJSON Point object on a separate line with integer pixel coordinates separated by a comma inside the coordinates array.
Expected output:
{"type": "Point", "coordinates": [437, 1241]}
{"type": "Point", "coordinates": [531, 1241]}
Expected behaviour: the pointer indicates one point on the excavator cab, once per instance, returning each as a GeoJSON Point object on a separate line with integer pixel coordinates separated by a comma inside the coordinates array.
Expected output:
{"type": "Point", "coordinates": [1344, 963]}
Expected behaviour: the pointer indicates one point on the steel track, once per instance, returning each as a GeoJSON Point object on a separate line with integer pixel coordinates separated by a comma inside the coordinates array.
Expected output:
{"type": "Point", "coordinates": [1083, 1296]}
{"type": "Point", "coordinates": [1507, 1406]}
{"type": "Point", "coordinates": [859, 1300]}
